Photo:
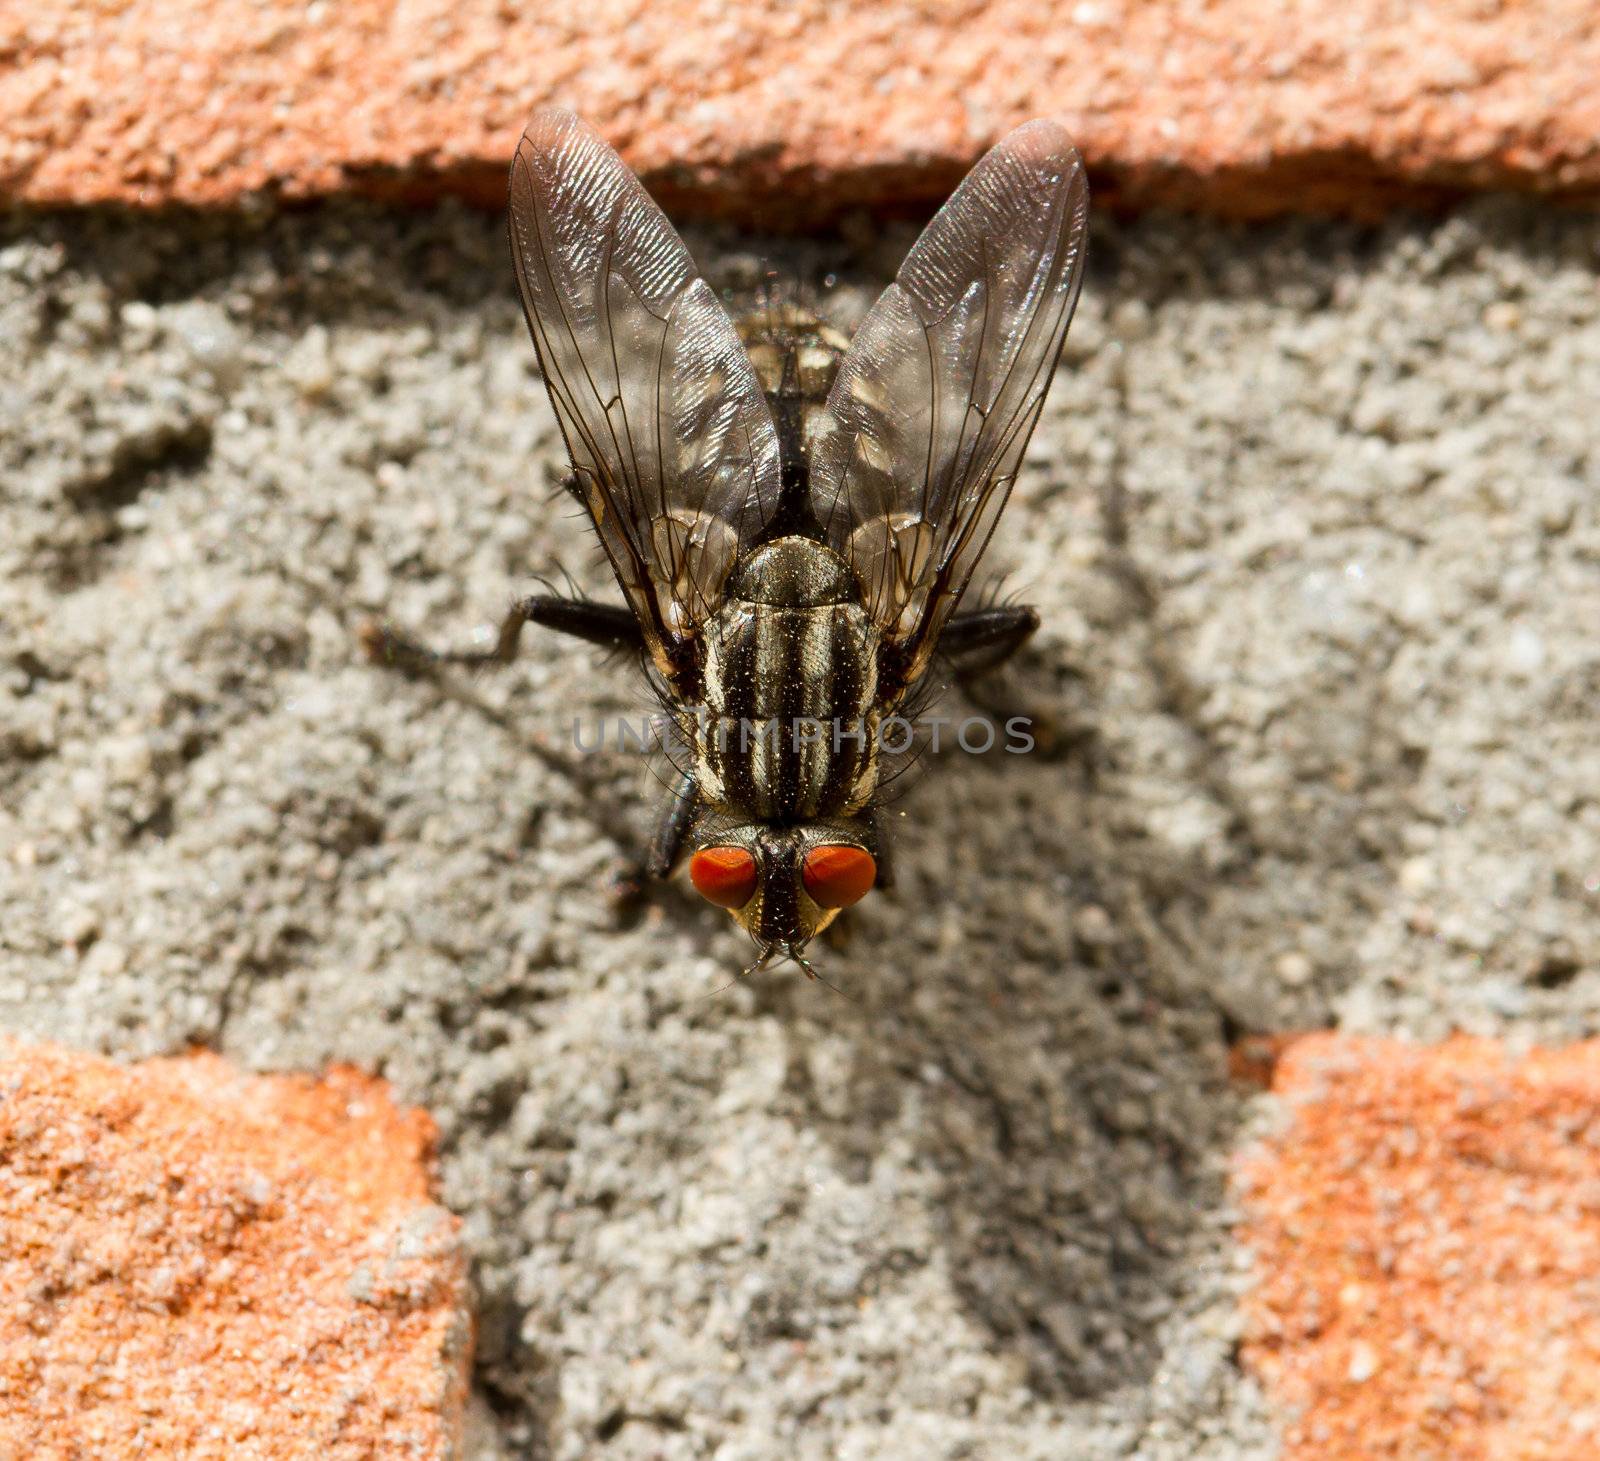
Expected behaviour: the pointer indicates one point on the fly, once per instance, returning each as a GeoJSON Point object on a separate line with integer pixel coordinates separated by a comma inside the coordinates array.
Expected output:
{"type": "Point", "coordinates": [792, 519]}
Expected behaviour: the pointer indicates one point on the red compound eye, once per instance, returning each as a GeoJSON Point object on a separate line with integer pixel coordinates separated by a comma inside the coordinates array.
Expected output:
{"type": "Point", "coordinates": [725, 876]}
{"type": "Point", "coordinates": [836, 877]}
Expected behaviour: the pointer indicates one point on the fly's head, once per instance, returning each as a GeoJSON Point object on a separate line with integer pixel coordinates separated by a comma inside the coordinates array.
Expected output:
{"type": "Point", "coordinates": [784, 885]}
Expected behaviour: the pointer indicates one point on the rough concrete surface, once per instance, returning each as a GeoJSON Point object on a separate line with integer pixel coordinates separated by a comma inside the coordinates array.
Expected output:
{"type": "Point", "coordinates": [1311, 520]}
{"type": "Point", "coordinates": [806, 108]}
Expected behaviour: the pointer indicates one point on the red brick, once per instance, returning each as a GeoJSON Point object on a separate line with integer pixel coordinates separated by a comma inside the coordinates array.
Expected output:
{"type": "Point", "coordinates": [785, 110]}
{"type": "Point", "coordinates": [1427, 1239]}
{"type": "Point", "coordinates": [199, 1263]}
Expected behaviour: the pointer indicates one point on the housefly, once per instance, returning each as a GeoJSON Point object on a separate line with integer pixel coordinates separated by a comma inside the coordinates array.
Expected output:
{"type": "Point", "coordinates": [792, 518]}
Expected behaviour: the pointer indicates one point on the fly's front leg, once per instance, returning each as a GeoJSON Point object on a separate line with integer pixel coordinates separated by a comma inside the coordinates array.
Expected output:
{"type": "Point", "coordinates": [604, 624]}
{"type": "Point", "coordinates": [666, 845]}
{"type": "Point", "coordinates": [885, 848]}
{"type": "Point", "coordinates": [676, 818]}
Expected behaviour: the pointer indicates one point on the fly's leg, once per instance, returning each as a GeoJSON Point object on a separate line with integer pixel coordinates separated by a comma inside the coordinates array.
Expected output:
{"type": "Point", "coordinates": [885, 846]}
{"type": "Point", "coordinates": [666, 844]}
{"type": "Point", "coordinates": [676, 816]}
{"type": "Point", "coordinates": [603, 624]}
{"type": "Point", "coordinates": [980, 641]}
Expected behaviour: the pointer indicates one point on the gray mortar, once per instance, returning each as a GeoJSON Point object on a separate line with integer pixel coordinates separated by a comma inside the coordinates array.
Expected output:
{"type": "Point", "coordinates": [1311, 519]}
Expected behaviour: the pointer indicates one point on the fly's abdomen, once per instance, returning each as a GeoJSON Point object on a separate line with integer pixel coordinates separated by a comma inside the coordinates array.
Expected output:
{"type": "Point", "coordinates": [792, 350]}
{"type": "Point", "coordinates": [789, 728]}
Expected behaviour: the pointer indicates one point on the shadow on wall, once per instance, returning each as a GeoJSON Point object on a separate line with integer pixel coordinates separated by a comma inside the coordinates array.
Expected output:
{"type": "Point", "coordinates": [1043, 1007]}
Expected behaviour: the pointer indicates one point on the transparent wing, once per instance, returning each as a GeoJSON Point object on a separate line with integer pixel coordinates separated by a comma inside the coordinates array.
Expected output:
{"type": "Point", "coordinates": [938, 394]}
{"type": "Point", "coordinates": [671, 440]}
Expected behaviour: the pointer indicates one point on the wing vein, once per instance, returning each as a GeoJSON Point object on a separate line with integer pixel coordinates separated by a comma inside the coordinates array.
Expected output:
{"type": "Point", "coordinates": [935, 401]}
{"type": "Point", "coordinates": [625, 329]}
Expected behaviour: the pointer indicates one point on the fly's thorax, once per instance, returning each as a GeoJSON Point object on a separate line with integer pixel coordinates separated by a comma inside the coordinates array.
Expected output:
{"type": "Point", "coordinates": [793, 573]}
{"type": "Point", "coordinates": [789, 722]}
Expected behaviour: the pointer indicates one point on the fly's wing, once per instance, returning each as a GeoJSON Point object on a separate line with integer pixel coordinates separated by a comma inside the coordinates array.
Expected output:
{"type": "Point", "coordinates": [672, 444]}
{"type": "Point", "coordinates": [936, 398]}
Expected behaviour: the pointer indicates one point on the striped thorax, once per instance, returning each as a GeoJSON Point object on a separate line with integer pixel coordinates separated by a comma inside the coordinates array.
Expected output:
{"type": "Point", "coordinates": [789, 727]}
